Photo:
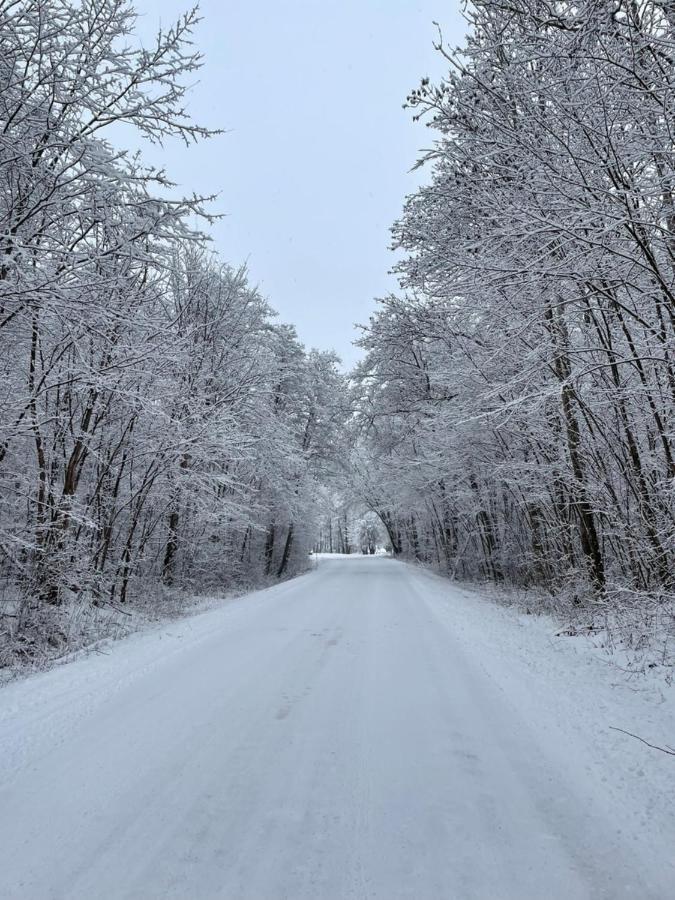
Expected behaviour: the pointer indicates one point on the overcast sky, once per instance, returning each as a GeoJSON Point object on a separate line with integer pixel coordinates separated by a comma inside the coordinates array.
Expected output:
{"type": "Point", "coordinates": [315, 163]}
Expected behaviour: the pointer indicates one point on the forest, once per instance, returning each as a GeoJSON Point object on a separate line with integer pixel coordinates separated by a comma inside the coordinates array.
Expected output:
{"type": "Point", "coordinates": [160, 430]}
{"type": "Point", "coordinates": [516, 400]}
{"type": "Point", "coordinates": [162, 434]}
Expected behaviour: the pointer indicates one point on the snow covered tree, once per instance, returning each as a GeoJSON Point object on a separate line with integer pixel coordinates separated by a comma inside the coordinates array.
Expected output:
{"type": "Point", "coordinates": [154, 418]}
{"type": "Point", "coordinates": [518, 397]}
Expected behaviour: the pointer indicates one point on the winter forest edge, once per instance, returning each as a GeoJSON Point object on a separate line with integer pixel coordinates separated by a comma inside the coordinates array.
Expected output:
{"type": "Point", "coordinates": [163, 436]}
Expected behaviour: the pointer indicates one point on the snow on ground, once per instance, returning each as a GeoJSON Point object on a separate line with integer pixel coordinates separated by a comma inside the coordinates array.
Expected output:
{"type": "Point", "coordinates": [366, 730]}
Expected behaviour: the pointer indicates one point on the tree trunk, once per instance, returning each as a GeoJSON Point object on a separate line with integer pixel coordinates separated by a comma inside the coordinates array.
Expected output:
{"type": "Point", "coordinates": [287, 551]}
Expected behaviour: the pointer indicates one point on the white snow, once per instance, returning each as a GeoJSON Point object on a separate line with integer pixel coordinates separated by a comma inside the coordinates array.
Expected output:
{"type": "Point", "coordinates": [366, 730]}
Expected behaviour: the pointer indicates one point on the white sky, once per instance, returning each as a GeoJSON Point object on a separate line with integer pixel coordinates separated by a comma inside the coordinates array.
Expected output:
{"type": "Point", "coordinates": [315, 163]}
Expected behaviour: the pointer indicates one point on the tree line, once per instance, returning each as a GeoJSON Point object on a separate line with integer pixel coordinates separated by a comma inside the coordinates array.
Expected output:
{"type": "Point", "coordinates": [516, 397]}
{"type": "Point", "coordinates": [159, 429]}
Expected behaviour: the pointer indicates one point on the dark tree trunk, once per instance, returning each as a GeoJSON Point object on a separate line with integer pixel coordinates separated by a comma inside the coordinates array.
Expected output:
{"type": "Point", "coordinates": [287, 551]}
{"type": "Point", "coordinates": [170, 549]}
{"type": "Point", "coordinates": [269, 547]}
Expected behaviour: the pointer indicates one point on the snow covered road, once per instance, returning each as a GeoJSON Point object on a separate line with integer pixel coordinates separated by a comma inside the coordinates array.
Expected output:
{"type": "Point", "coordinates": [364, 731]}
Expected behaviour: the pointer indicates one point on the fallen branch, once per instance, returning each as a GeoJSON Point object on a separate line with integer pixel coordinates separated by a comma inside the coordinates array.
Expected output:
{"type": "Point", "coordinates": [125, 612]}
{"type": "Point", "coordinates": [666, 749]}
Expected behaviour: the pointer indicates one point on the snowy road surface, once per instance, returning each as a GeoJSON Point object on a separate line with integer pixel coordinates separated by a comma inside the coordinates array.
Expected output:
{"type": "Point", "coordinates": [364, 731]}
